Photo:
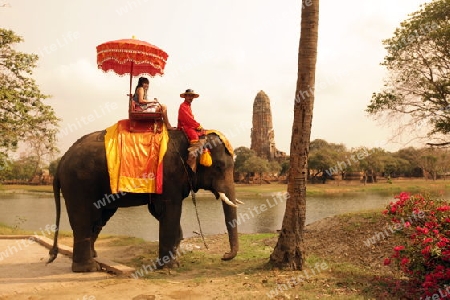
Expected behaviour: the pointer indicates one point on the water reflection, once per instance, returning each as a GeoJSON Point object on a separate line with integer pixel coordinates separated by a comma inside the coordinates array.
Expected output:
{"type": "Point", "coordinates": [257, 215]}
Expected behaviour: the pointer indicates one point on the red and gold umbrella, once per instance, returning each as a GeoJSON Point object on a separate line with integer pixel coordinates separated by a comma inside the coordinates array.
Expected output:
{"type": "Point", "coordinates": [131, 56]}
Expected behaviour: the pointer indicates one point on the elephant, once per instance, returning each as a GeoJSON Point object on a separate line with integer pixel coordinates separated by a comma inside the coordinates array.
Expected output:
{"type": "Point", "coordinates": [82, 178]}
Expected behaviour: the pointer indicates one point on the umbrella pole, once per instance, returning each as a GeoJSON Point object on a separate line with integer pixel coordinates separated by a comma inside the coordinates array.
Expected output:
{"type": "Point", "coordinates": [131, 78]}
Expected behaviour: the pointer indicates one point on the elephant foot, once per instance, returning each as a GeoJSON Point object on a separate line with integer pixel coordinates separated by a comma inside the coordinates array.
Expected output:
{"type": "Point", "coordinates": [169, 265]}
{"type": "Point", "coordinates": [229, 255]}
{"type": "Point", "coordinates": [94, 253]}
{"type": "Point", "coordinates": [90, 266]}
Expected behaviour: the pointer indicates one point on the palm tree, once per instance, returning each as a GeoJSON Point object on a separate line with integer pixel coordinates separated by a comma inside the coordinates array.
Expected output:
{"type": "Point", "coordinates": [289, 252]}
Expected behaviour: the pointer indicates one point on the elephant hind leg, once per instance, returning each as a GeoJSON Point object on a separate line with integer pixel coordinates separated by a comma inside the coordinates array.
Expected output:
{"type": "Point", "coordinates": [82, 260]}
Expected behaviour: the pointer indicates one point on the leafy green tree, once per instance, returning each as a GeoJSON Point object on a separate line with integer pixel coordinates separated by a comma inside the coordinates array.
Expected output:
{"type": "Point", "coordinates": [394, 165]}
{"type": "Point", "coordinates": [429, 162]}
{"type": "Point", "coordinates": [274, 167]}
{"type": "Point", "coordinates": [382, 162]}
{"type": "Point", "coordinates": [418, 61]}
{"type": "Point", "coordinates": [256, 164]}
{"type": "Point", "coordinates": [285, 167]}
{"type": "Point", "coordinates": [444, 162]}
{"type": "Point", "coordinates": [412, 156]}
{"type": "Point", "coordinates": [5, 167]}
{"type": "Point", "coordinates": [321, 160]}
{"type": "Point", "coordinates": [23, 114]}
{"type": "Point", "coordinates": [3, 161]}
{"type": "Point", "coordinates": [434, 162]}
{"type": "Point", "coordinates": [372, 163]}
{"type": "Point", "coordinates": [320, 157]}
{"type": "Point", "coordinates": [242, 154]}
{"type": "Point", "coordinates": [53, 165]}
{"type": "Point", "coordinates": [323, 156]}
{"type": "Point", "coordinates": [24, 169]}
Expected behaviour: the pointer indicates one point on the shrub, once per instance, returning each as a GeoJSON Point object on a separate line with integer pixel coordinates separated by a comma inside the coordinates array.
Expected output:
{"type": "Point", "coordinates": [425, 255]}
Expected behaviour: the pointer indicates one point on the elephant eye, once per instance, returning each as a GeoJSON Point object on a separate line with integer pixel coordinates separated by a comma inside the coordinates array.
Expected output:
{"type": "Point", "coordinates": [219, 166]}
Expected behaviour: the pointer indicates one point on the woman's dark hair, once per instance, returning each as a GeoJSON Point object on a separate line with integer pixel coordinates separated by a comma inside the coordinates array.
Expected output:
{"type": "Point", "coordinates": [141, 81]}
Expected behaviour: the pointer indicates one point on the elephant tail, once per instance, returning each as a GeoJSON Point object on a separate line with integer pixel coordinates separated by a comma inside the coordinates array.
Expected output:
{"type": "Point", "coordinates": [56, 193]}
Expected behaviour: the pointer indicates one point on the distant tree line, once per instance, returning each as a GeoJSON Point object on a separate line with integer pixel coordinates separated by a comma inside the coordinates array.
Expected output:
{"type": "Point", "coordinates": [248, 163]}
{"type": "Point", "coordinates": [25, 168]}
{"type": "Point", "coordinates": [329, 160]}
{"type": "Point", "coordinates": [326, 162]}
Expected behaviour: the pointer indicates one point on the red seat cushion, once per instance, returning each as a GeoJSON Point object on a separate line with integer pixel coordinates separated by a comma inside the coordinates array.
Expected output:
{"type": "Point", "coordinates": [137, 113]}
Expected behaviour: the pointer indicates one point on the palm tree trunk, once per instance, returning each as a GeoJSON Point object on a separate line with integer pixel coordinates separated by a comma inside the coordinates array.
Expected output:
{"type": "Point", "coordinates": [289, 252]}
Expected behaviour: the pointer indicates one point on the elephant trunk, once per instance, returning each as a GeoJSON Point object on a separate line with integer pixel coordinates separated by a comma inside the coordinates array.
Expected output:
{"type": "Point", "coordinates": [230, 213]}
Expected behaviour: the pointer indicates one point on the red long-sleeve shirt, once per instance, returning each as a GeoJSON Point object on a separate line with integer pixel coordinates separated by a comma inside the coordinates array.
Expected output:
{"type": "Point", "coordinates": [186, 119]}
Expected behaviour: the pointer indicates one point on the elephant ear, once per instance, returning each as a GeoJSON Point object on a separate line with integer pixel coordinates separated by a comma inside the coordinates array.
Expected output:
{"type": "Point", "coordinates": [224, 140]}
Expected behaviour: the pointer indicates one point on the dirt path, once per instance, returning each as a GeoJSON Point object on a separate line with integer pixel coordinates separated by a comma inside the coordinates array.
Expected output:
{"type": "Point", "coordinates": [25, 275]}
{"type": "Point", "coordinates": [353, 268]}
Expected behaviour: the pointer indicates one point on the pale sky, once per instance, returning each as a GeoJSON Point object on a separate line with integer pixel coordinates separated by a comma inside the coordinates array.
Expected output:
{"type": "Point", "coordinates": [227, 51]}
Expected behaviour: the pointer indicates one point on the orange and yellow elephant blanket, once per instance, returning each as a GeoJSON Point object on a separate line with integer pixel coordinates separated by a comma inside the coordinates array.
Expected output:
{"type": "Point", "coordinates": [135, 159]}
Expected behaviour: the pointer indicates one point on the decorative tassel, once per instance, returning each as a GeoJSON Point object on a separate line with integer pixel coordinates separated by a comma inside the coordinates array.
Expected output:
{"type": "Point", "coordinates": [205, 158]}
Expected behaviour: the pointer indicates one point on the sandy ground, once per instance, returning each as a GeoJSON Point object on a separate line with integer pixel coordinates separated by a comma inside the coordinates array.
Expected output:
{"type": "Point", "coordinates": [24, 272]}
{"type": "Point", "coordinates": [24, 275]}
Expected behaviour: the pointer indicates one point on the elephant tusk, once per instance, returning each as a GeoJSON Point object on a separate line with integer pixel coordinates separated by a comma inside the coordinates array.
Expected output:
{"type": "Point", "coordinates": [239, 202]}
{"type": "Point", "coordinates": [225, 199]}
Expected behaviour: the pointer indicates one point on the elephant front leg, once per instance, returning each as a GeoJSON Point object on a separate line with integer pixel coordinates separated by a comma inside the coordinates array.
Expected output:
{"type": "Point", "coordinates": [170, 236]}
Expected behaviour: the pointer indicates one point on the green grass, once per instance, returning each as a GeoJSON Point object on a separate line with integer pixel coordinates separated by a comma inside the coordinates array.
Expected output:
{"type": "Point", "coordinates": [10, 230]}
{"type": "Point", "coordinates": [21, 188]}
{"type": "Point", "coordinates": [122, 240]}
{"type": "Point", "coordinates": [16, 230]}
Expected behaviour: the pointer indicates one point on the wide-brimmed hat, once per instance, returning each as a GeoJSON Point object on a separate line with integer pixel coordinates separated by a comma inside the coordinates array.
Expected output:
{"type": "Point", "coordinates": [189, 92]}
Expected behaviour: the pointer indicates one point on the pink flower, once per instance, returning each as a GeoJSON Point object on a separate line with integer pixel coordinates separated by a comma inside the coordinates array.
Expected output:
{"type": "Point", "coordinates": [442, 243]}
{"type": "Point", "coordinates": [443, 208]}
{"type": "Point", "coordinates": [439, 268]}
{"type": "Point", "coordinates": [404, 261]}
{"type": "Point", "coordinates": [427, 240]}
{"type": "Point", "coordinates": [426, 250]}
{"type": "Point", "coordinates": [399, 248]}
{"type": "Point", "coordinates": [430, 225]}
{"type": "Point", "coordinates": [422, 230]}
{"type": "Point", "coordinates": [404, 196]}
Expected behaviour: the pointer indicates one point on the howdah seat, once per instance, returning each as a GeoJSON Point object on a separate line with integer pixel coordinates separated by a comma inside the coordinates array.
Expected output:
{"type": "Point", "coordinates": [140, 120]}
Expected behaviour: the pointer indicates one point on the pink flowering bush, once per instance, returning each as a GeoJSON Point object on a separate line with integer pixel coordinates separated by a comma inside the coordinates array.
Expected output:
{"type": "Point", "coordinates": [425, 256]}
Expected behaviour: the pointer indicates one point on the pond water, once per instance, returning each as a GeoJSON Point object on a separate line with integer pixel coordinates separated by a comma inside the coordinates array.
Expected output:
{"type": "Point", "coordinates": [258, 215]}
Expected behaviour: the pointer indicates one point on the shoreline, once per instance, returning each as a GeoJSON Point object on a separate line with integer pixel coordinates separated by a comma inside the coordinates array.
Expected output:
{"type": "Point", "coordinates": [331, 188]}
